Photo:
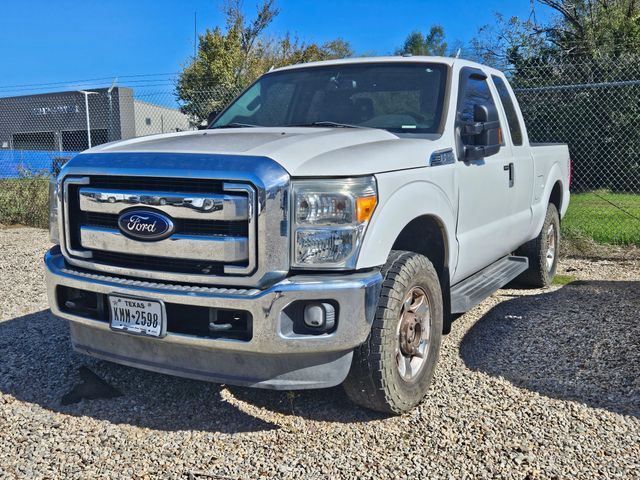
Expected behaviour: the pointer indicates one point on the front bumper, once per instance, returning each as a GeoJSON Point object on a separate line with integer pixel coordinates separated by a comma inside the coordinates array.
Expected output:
{"type": "Point", "coordinates": [273, 358]}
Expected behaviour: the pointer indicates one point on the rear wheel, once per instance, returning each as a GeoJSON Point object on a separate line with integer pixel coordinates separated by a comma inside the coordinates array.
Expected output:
{"type": "Point", "coordinates": [542, 252]}
{"type": "Point", "coordinates": [392, 370]}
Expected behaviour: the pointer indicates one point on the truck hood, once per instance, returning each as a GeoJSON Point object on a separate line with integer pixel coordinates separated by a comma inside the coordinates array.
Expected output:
{"type": "Point", "coordinates": [300, 151]}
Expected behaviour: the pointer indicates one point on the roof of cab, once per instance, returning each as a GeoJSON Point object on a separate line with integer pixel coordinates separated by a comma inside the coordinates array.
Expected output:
{"type": "Point", "coordinates": [450, 61]}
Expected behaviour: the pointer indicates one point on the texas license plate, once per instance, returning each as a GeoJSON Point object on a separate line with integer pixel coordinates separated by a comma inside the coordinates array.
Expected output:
{"type": "Point", "coordinates": [138, 316]}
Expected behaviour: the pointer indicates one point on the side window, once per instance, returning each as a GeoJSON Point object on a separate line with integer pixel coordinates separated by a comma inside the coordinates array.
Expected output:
{"type": "Point", "coordinates": [475, 91]}
{"type": "Point", "coordinates": [510, 110]}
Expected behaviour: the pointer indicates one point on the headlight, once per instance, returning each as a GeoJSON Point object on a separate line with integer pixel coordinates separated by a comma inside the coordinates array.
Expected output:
{"type": "Point", "coordinates": [54, 235]}
{"type": "Point", "coordinates": [329, 220]}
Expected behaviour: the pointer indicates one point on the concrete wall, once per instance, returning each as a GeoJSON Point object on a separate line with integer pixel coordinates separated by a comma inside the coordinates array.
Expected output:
{"type": "Point", "coordinates": [126, 113]}
{"type": "Point", "coordinates": [151, 119]}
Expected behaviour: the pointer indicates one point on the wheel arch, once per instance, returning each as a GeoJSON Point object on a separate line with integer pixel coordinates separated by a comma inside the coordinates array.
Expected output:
{"type": "Point", "coordinates": [427, 236]}
{"type": "Point", "coordinates": [556, 195]}
{"type": "Point", "coordinates": [416, 206]}
{"type": "Point", "coordinates": [417, 218]}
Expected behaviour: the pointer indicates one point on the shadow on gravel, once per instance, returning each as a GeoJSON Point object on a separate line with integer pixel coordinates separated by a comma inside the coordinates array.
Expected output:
{"type": "Point", "coordinates": [581, 343]}
{"type": "Point", "coordinates": [38, 365]}
{"type": "Point", "coordinates": [324, 405]}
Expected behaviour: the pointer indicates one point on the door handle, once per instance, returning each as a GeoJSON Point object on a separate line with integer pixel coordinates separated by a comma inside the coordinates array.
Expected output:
{"type": "Point", "coordinates": [510, 168]}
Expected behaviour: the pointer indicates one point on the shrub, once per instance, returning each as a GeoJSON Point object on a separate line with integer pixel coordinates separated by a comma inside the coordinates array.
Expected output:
{"type": "Point", "coordinates": [25, 200]}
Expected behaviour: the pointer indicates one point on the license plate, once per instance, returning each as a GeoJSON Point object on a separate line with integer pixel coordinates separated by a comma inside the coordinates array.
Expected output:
{"type": "Point", "coordinates": [138, 316]}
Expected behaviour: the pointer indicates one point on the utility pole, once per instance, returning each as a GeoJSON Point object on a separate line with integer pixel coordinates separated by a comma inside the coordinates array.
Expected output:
{"type": "Point", "coordinates": [109, 96]}
{"type": "Point", "coordinates": [195, 34]}
{"type": "Point", "coordinates": [86, 111]}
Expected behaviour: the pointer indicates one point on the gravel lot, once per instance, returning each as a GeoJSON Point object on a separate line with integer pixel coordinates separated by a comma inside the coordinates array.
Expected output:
{"type": "Point", "coordinates": [531, 384]}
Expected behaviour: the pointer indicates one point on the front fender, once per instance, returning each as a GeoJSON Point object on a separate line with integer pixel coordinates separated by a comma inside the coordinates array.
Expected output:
{"type": "Point", "coordinates": [402, 201]}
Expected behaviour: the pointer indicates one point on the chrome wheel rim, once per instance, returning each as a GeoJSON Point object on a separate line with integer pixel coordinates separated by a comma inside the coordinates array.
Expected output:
{"type": "Point", "coordinates": [414, 330]}
{"type": "Point", "coordinates": [551, 247]}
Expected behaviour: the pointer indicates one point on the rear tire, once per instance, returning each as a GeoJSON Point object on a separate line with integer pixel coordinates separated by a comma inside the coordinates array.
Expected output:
{"type": "Point", "coordinates": [542, 252]}
{"type": "Point", "coordinates": [391, 371]}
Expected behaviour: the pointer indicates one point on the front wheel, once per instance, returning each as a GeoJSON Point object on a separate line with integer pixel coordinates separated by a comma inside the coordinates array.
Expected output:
{"type": "Point", "coordinates": [392, 370]}
{"type": "Point", "coordinates": [542, 252]}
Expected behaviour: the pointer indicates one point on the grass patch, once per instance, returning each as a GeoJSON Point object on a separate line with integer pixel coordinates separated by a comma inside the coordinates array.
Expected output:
{"type": "Point", "coordinates": [25, 200]}
{"type": "Point", "coordinates": [593, 216]}
{"type": "Point", "coordinates": [562, 279]}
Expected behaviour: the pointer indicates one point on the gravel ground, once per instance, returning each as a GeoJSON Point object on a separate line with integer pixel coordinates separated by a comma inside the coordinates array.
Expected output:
{"type": "Point", "coordinates": [530, 384]}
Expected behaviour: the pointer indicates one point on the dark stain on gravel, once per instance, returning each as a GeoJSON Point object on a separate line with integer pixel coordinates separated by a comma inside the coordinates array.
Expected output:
{"type": "Point", "coordinates": [580, 343]}
{"type": "Point", "coordinates": [91, 387]}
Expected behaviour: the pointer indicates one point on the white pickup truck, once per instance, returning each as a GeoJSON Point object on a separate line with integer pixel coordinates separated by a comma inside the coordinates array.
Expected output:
{"type": "Point", "coordinates": [325, 228]}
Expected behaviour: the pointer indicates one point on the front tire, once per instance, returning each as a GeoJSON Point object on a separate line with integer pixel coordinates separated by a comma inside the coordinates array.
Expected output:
{"type": "Point", "coordinates": [391, 371]}
{"type": "Point", "coordinates": [542, 252]}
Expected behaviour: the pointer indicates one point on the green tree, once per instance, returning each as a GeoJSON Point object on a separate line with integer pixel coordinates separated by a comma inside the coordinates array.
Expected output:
{"type": "Point", "coordinates": [432, 43]}
{"type": "Point", "coordinates": [570, 74]}
{"type": "Point", "coordinates": [593, 27]}
{"type": "Point", "coordinates": [229, 59]}
{"type": "Point", "coordinates": [577, 29]}
{"type": "Point", "coordinates": [506, 42]}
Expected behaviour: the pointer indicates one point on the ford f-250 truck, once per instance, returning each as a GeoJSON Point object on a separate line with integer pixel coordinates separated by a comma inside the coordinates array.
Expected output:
{"type": "Point", "coordinates": [325, 228]}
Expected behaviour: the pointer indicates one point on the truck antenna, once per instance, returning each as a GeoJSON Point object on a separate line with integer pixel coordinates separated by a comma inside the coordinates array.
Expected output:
{"type": "Point", "coordinates": [458, 53]}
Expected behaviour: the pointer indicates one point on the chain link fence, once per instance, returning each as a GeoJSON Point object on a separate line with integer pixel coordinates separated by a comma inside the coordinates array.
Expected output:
{"type": "Point", "coordinates": [593, 105]}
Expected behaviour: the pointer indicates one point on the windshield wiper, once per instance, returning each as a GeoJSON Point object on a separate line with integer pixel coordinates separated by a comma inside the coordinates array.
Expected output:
{"type": "Point", "coordinates": [326, 123]}
{"type": "Point", "coordinates": [235, 125]}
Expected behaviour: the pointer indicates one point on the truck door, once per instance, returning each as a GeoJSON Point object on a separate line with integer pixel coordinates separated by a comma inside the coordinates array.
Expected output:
{"type": "Point", "coordinates": [483, 184]}
{"type": "Point", "coordinates": [521, 168]}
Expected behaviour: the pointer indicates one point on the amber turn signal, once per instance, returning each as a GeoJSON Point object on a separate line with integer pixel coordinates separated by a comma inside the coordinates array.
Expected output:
{"type": "Point", "coordinates": [365, 207]}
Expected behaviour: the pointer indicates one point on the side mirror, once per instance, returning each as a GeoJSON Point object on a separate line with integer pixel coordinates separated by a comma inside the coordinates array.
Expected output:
{"type": "Point", "coordinates": [485, 131]}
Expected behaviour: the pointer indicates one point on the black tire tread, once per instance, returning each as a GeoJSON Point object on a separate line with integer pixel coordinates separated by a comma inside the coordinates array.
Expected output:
{"type": "Point", "coordinates": [537, 276]}
{"type": "Point", "coordinates": [368, 382]}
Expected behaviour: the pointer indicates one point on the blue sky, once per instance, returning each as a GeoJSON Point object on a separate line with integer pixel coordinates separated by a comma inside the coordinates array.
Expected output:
{"type": "Point", "coordinates": [44, 41]}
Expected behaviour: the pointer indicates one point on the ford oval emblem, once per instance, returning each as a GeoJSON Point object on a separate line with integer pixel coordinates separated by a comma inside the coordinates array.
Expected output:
{"type": "Point", "coordinates": [145, 225]}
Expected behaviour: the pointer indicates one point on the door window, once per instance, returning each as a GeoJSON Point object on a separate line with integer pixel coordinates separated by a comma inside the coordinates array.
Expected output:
{"type": "Point", "coordinates": [475, 91]}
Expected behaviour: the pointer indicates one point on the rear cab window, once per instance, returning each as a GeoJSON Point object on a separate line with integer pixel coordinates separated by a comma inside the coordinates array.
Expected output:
{"type": "Point", "coordinates": [510, 110]}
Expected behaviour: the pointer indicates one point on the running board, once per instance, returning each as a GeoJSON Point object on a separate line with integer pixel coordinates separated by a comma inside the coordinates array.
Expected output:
{"type": "Point", "coordinates": [470, 292]}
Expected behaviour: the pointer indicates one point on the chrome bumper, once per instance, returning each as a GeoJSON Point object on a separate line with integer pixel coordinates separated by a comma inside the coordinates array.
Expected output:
{"type": "Point", "coordinates": [271, 359]}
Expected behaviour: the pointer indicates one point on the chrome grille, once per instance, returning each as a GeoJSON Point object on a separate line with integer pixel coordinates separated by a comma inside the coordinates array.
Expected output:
{"type": "Point", "coordinates": [214, 224]}
{"type": "Point", "coordinates": [260, 180]}
{"type": "Point", "coordinates": [167, 184]}
{"type": "Point", "coordinates": [185, 226]}
{"type": "Point", "coordinates": [157, 264]}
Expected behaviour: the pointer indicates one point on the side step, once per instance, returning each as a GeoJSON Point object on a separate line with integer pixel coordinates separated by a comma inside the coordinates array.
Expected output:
{"type": "Point", "coordinates": [471, 291]}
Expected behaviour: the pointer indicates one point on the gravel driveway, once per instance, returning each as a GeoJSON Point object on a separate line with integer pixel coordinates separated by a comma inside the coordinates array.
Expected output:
{"type": "Point", "coordinates": [530, 384]}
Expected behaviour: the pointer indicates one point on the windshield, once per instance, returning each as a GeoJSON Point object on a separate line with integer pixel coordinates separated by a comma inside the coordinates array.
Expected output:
{"type": "Point", "coordinates": [399, 97]}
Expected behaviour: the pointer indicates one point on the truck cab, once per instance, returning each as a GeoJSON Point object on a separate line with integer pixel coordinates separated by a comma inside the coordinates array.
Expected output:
{"type": "Point", "coordinates": [325, 228]}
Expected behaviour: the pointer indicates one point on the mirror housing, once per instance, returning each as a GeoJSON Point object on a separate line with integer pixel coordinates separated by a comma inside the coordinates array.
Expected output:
{"type": "Point", "coordinates": [485, 130]}
{"type": "Point", "coordinates": [210, 118]}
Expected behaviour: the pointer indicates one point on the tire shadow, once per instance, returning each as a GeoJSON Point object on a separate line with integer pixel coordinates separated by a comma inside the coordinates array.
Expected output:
{"type": "Point", "coordinates": [580, 343]}
{"type": "Point", "coordinates": [38, 365]}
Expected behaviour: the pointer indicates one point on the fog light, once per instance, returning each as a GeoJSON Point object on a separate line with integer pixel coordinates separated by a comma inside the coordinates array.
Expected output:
{"type": "Point", "coordinates": [320, 315]}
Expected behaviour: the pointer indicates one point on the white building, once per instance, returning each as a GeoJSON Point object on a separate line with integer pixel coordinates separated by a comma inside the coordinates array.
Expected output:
{"type": "Point", "coordinates": [151, 119]}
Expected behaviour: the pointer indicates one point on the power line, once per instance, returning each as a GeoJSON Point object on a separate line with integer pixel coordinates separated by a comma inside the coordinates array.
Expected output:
{"type": "Point", "coordinates": [53, 89]}
{"type": "Point", "coordinates": [74, 82]}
